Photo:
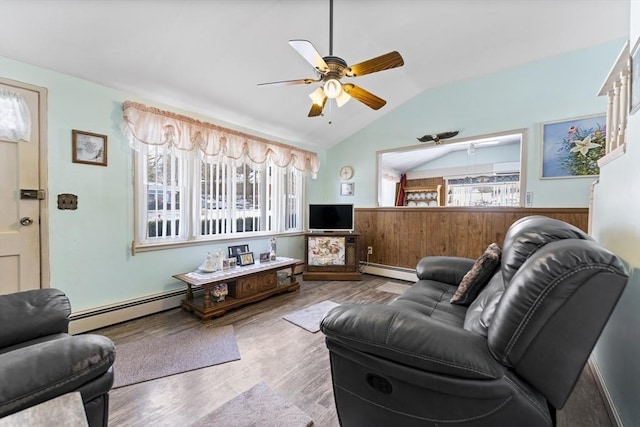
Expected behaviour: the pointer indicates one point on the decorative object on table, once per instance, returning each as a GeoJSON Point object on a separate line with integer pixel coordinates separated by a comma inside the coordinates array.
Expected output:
{"type": "Point", "coordinates": [571, 148]}
{"type": "Point", "coordinates": [219, 291]}
{"type": "Point", "coordinates": [225, 264]}
{"type": "Point", "coordinates": [437, 138]}
{"type": "Point", "coordinates": [283, 278]}
{"type": "Point", "coordinates": [235, 251]}
{"type": "Point", "coordinates": [89, 148]}
{"type": "Point", "coordinates": [346, 188]}
{"type": "Point", "coordinates": [246, 259]}
{"type": "Point", "coordinates": [272, 248]}
{"type": "Point", "coordinates": [233, 262]}
{"type": "Point", "coordinates": [264, 257]}
{"type": "Point", "coordinates": [212, 263]}
{"type": "Point", "coordinates": [634, 104]}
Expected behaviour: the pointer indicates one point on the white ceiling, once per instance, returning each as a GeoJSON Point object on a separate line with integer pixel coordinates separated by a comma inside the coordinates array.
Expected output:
{"type": "Point", "coordinates": [208, 56]}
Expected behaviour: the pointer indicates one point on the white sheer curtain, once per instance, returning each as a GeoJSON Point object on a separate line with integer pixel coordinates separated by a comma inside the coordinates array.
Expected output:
{"type": "Point", "coordinates": [15, 118]}
{"type": "Point", "coordinates": [152, 126]}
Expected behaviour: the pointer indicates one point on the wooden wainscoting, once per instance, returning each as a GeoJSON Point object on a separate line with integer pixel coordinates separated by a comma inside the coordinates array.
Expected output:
{"type": "Point", "coordinates": [400, 237]}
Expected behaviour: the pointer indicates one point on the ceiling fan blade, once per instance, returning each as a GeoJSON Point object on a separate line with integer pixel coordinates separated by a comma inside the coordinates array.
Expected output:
{"type": "Point", "coordinates": [316, 110]}
{"type": "Point", "coordinates": [366, 97]}
{"type": "Point", "coordinates": [380, 63]}
{"type": "Point", "coordinates": [291, 82]}
{"type": "Point", "coordinates": [310, 54]}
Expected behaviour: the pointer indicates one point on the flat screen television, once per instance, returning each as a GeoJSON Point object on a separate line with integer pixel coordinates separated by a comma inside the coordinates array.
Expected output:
{"type": "Point", "coordinates": [331, 217]}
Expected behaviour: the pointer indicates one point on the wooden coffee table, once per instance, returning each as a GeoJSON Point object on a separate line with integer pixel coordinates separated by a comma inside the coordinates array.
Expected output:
{"type": "Point", "coordinates": [246, 285]}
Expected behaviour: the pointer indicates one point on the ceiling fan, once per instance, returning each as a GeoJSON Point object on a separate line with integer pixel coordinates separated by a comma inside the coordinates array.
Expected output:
{"type": "Point", "coordinates": [331, 69]}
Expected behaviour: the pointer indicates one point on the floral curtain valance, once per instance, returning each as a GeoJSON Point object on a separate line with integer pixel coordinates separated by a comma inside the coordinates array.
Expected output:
{"type": "Point", "coordinates": [15, 118]}
{"type": "Point", "coordinates": [152, 126]}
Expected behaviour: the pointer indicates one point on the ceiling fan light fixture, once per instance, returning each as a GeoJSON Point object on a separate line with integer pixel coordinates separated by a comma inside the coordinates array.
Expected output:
{"type": "Point", "coordinates": [343, 98]}
{"type": "Point", "coordinates": [317, 96]}
{"type": "Point", "coordinates": [332, 88]}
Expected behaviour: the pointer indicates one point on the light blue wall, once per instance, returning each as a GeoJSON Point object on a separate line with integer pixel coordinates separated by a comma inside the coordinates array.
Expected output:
{"type": "Point", "coordinates": [486, 155]}
{"type": "Point", "coordinates": [553, 89]}
{"type": "Point", "coordinates": [616, 224]}
{"type": "Point", "coordinates": [90, 248]}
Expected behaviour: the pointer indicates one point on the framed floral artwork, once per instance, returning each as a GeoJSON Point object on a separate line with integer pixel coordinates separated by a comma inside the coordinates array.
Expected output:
{"type": "Point", "coordinates": [89, 148]}
{"type": "Point", "coordinates": [571, 148]}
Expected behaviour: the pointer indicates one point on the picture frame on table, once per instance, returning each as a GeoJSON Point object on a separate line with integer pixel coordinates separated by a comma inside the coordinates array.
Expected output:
{"type": "Point", "coordinates": [571, 148]}
{"type": "Point", "coordinates": [264, 257]}
{"type": "Point", "coordinates": [88, 148]}
{"type": "Point", "coordinates": [634, 101]}
{"type": "Point", "coordinates": [235, 251]}
{"type": "Point", "coordinates": [246, 258]}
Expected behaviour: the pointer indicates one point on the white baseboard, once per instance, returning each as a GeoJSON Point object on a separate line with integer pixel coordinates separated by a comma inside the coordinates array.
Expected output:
{"type": "Point", "coordinates": [389, 271]}
{"type": "Point", "coordinates": [614, 416]}
{"type": "Point", "coordinates": [100, 317]}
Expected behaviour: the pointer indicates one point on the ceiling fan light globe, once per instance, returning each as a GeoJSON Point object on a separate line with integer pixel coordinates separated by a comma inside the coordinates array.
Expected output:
{"type": "Point", "coordinates": [343, 98]}
{"type": "Point", "coordinates": [332, 88]}
{"type": "Point", "coordinates": [317, 96]}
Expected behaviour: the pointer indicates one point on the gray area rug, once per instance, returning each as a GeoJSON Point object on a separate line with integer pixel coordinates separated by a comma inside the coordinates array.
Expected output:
{"type": "Point", "coordinates": [394, 288]}
{"type": "Point", "coordinates": [156, 357]}
{"type": "Point", "coordinates": [260, 406]}
{"type": "Point", "coordinates": [309, 318]}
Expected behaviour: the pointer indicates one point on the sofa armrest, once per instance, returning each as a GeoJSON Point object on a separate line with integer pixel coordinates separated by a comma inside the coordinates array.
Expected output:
{"type": "Point", "coordinates": [32, 314]}
{"type": "Point", "coordinates": [37, 373]}
{"type": "Point", "coordinates": [412, 339]}
{"type": "Point", "coordinates": [446, 269]}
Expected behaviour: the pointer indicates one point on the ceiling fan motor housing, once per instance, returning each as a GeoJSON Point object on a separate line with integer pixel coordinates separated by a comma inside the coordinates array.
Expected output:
{"type": "Point", "coordinates": [337, 67]}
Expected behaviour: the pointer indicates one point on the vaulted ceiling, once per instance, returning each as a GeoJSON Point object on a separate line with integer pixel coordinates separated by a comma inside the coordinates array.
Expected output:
{"type": "Point", "coordinates": [209, 56]}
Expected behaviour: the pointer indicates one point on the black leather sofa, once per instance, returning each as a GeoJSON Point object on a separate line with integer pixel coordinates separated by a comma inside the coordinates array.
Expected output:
{"type": "Point", "coordinates": [39, 360]}
{"type": "Point", "coordinates": [509, 358]}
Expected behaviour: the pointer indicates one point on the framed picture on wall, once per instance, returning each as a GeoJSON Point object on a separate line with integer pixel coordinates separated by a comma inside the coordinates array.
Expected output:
{"type": "Point", "coordinates": [634, 102]}
{"type": "Point", "coordinates": [89, 148]}
{"type": "Point", "coordinates": [346, 189]}
{"type": "Point", "coordinates": [571, 148]}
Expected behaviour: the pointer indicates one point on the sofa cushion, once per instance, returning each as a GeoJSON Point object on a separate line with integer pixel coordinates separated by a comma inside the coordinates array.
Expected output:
{"type": "Point", "coordinates": [29, 315]}
{"type": "Point", "coordinates": [480, 311]}
{"type": "Point", "coordinates": [431, 298]}
{"type": "Point", "coordinates": [479, 275]}
{"type": "Point", "coordinates": [527, 235]}
{"type": "Point", "coordinates": [34, 374]}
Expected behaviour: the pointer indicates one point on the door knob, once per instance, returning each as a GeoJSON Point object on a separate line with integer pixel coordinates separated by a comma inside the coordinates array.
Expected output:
{"type": "Point", "coordinates": [26, 220]}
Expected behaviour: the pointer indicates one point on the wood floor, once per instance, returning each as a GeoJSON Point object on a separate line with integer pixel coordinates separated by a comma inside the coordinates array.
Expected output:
{"type": "Point", "coordinates": [289, 359]}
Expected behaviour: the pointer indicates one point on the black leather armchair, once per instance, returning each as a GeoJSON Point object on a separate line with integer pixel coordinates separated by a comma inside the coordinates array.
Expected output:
{"type": "Point", "coordinates": [39, 360]}
{"type": "Point", "coordinates": [508, 359]}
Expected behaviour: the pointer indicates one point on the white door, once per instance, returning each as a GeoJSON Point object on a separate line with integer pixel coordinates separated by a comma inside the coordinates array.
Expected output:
{"type": "Point", "coordinates": [20, 245]}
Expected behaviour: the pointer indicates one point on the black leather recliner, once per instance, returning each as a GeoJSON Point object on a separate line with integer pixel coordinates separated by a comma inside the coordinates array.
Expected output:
{"type": "Point", "coordinates": [39, 360]}
{"type": "Point", "coordinates": [508, 359]}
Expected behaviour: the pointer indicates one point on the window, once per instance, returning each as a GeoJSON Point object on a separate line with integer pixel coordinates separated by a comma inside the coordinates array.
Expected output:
{"type": "Point", "coordinates": [199, 181]}
{"type": "Point", "coordinates": [184, 195]}
{"type": "Point", "coordinates": [484, 191]}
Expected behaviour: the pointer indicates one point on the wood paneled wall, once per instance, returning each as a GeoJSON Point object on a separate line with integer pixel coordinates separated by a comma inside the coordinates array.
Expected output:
{"type": "Point", "coordinates": [400, 237]}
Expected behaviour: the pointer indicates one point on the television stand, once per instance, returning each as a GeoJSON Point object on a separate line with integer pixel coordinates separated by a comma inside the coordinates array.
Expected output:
{"type": "Point", "coordinates": [331, 256]}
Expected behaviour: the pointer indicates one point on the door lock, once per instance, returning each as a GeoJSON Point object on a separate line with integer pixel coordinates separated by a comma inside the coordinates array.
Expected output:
{"type": "Point", "coordinates": [26, 220]}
